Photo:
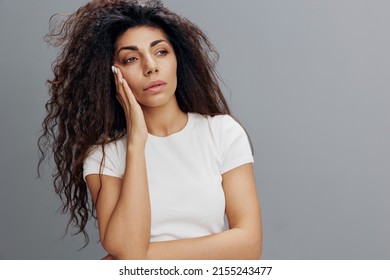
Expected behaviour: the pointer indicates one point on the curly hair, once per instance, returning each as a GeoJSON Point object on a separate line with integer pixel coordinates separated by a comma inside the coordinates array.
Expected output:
{"type": "Point", "coordinates": [83, 111]}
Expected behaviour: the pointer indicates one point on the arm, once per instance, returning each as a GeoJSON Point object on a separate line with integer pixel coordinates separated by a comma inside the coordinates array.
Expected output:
{"type": "Point", "coordinates": [127, 200]}
{"type": "Point", "coordinates": [130, 239]}
{"type": "Point", "coordinates": [243, 240]}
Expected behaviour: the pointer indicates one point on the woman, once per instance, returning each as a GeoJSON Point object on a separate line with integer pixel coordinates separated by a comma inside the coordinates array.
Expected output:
{"type": "Point", "coordinates": [137, 119]}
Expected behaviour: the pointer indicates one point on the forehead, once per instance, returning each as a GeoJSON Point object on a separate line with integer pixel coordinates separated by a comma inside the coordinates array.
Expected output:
{"type": "Point", "coordinates": [140, 36]}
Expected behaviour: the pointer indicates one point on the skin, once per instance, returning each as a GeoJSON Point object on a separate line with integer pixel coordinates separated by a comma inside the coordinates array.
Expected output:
{"type": "Point", "coordinates": [149, 64]}
{"type": "Point", "coordinates": [127, 199]}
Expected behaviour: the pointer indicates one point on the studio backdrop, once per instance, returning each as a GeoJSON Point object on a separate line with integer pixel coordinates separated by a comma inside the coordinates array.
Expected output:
{"type": "Point", "coordinates": [310, 82]}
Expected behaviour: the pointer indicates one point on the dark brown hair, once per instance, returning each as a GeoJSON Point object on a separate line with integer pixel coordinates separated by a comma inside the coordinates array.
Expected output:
{"type": "Point", "coordinates": [82, 110]}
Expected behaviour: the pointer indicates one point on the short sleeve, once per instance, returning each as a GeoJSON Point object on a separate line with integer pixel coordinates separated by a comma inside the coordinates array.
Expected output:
{"type": "Point", "coordinates": [110, 164]}
{"type": "Point", "coordinates": [235, 147]}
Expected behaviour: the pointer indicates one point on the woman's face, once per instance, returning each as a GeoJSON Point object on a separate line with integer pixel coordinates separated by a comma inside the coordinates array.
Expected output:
{"type": "Point", "coordinates": [148, 63]}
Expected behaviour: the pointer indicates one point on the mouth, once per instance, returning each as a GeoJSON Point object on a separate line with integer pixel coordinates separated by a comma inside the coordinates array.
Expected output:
{"type": "Point", "coordinates": [155, 87]}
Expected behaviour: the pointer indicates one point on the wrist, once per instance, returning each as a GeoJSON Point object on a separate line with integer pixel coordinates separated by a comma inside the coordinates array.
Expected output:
{"type": "Point", "coordinates": [136, 140]}
{"type": "Point", "coordinates": [135, 147]}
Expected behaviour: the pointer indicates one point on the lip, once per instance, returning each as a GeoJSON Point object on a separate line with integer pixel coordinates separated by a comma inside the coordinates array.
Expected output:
{"type": "Point", "coordinates": [155, 86]}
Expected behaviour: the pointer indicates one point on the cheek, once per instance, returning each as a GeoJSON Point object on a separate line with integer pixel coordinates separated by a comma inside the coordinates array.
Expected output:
{"type": "Point", "coordinates": [174, 66]}
{"type": "Point", "coordinates": [131, 80]}
{"type": "Point", "coordinates": [136, 90]}
{"type": "Point", "coordinates": [173, 71]}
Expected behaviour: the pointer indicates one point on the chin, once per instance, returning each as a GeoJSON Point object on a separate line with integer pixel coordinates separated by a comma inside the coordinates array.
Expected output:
{"type": "Point", "coordinates": [157, 100]}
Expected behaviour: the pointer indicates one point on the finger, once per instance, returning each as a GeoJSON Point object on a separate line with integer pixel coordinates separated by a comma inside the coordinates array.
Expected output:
{"type": "Point", "coordinates": [129, 93]}
{"type": "Point", "coordinates": [124, 89]}
{"type": "Point", "coordinates": [114, 71]}
{"type": "Point", "coordinates": [118, 83]}
{"type": "Point", "coordinates": [119, 79]}
{"type": "Point", "coordinates": [121, 96]}
{"type": "Point", "coordinates": [119, 100]}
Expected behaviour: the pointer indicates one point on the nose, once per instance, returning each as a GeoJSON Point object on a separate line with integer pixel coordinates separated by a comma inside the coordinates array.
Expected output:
{"type": "Point", "coordinates": [151, 66]}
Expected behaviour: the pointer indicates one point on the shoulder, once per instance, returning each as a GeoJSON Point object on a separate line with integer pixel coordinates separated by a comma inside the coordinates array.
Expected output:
{"type": "Point", "coordinates": [225, 125]}
{"type": "Point", "coordinates": [217, 121]}
{"type": "Point", "coordinates": [232, 141]}
{"type": "Point", "coordinates": [220, 126]}
{"type": "Point", "coordinates": [106, 159]}
{"type": "Point", "coordinates": [111, 148]}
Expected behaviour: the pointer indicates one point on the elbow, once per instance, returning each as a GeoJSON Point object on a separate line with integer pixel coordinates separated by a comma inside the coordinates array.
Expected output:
{"type": "Point", "coordinates": [131, 254]}
{"type": "Point", "coordinates": [126, 256]}
{"type": "Point", "coordinates": [257, 250]}
{"type": "Point", "coordinates": [254, 249]}
{"type": "Point", "coordinates": [123, 251]}
{"type": "Point", "coordinates": [256, 241]}
{"type": "Point", "coordinates": [253, 244]}
{"type": "Point", "coordinates": [110, 248]}
{"type": "Point", "coordinates": [258, 245]}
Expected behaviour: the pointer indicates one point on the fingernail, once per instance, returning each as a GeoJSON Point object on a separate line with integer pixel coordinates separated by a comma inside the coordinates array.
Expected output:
{"type": "Point", "coordinates": [113, 69]}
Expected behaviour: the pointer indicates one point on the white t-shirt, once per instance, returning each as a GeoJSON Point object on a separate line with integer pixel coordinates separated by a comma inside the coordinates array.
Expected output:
{"type": "Point", "coordinates": [184, 174]}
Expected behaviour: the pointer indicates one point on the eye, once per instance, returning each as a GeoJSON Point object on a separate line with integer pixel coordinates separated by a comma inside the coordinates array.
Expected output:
{"type": "Point", "coordinates": [162, 53]}
{"type": "Point", "coordinates": [130, 59]}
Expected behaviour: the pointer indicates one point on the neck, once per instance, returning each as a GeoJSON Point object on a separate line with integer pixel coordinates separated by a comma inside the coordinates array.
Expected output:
{"type": "Point", "coordinates": [165, 120]}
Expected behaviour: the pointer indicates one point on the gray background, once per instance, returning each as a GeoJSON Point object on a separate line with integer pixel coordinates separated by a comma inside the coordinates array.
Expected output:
{"type": "Point", "coordinates": [308, 79]}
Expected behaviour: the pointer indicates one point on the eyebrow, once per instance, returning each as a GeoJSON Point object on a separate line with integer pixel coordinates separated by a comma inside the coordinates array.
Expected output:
{"type": "Point", "coordinates": [135, 48]}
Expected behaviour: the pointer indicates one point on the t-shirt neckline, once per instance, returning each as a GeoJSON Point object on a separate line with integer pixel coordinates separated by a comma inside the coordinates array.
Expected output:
{"type": "Point", "coordinates": [173, 136]}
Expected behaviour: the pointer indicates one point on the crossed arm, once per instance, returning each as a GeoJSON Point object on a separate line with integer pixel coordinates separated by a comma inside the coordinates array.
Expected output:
{"type": "Point", "coordinates": [128, 200]}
